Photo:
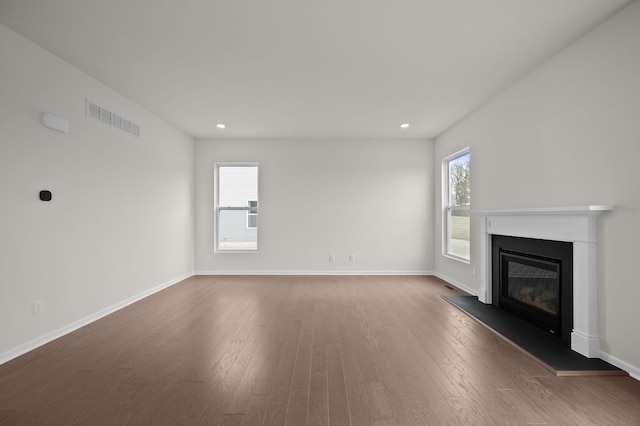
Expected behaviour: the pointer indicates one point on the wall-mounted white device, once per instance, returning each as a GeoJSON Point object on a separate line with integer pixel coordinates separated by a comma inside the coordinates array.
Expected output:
{"type": "Point", "coordinates": [54, 122]}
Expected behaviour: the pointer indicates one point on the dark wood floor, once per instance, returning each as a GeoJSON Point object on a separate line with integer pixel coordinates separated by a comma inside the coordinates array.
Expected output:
{"type": "Point", "coordinates": [299, 351]}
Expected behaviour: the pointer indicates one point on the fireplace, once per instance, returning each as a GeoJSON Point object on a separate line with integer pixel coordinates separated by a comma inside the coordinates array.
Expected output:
{"type": "Point", "coordinates": [576, 225]}
{"type": "Point", "coordinates": [533, 279]}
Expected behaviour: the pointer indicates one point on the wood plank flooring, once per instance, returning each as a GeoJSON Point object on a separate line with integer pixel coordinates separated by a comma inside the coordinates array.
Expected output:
{"type": "Point", "coordinates": [299, 350]}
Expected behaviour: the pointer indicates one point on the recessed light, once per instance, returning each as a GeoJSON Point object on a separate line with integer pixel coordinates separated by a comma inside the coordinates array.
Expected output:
{"type": "Point", "coordinates": [220, 126]}
{"type": "Point", "coordinates": [404, 125]}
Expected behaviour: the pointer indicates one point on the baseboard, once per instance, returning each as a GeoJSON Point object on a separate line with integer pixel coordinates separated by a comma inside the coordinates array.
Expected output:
{"type": "Point", "coordinates": [631, 369]}
{"type": "Point", "coordinates": [458, 284]}
{"type": "Point", "coordinates": [42, 340]}
{"type": "Point", "coordinates": [408, 273]}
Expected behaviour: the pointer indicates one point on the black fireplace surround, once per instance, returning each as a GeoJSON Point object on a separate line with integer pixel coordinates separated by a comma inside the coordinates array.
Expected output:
{"type": "Point", "coordinates": [533, 279]}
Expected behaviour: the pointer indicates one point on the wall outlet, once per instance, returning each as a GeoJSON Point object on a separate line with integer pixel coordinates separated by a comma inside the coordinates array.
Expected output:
{"type": "Point", "coordinates": [37, 307]}
{"type": "Point", "coordinates": [332, 258]}
{"type": "Point", "coordinates": [352, 257]}
{"type": "Point", "coordinates": [474, 271]}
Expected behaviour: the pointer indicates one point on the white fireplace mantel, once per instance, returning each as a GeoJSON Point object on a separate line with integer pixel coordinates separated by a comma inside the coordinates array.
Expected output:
{"type": "Point", "coordinates": [575, 224]}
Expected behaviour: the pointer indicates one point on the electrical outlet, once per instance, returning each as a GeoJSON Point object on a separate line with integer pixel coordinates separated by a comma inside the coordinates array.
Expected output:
{"type": "Point", "coordinates": [474, 271]}
{"type": "Point", "coordinates": [332, 258]}
{"type": "Point", "coordinates": [352, 257]}
{"type": "Point", "coordinates": [38, 307]}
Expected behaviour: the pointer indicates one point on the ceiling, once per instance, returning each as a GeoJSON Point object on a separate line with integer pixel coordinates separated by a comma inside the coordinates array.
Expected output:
{"type": "Point", "coordinates": [302, 68]}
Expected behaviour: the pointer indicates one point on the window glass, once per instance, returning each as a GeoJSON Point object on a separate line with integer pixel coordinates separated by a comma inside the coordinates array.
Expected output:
{"type": "Point", "coordinates": [237, 207]}
{"type": "Point", "coordinates": [457, 189]}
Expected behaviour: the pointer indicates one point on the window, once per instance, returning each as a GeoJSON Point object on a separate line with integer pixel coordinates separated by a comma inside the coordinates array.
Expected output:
{"type": "Point", "coordinates": [237, 207]}
{"type": "Point", "coordinates": [457, 201]}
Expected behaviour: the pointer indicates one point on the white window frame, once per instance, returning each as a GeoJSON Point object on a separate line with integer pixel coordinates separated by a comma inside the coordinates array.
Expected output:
{"type": "Point", "coordinates": [218, 208]}
{"type": "Point", "coordinates": [449, 207]}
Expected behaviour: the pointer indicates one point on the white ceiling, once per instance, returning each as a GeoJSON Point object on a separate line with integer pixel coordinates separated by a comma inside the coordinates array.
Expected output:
{"type": "Point", "coordinates": [303, 68]}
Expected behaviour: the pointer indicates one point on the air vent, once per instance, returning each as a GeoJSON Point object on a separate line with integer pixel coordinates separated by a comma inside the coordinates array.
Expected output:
{"type": "Point", "coordinates": [114, 120]}
{"type": "Point", "coordinates": [93, 111]}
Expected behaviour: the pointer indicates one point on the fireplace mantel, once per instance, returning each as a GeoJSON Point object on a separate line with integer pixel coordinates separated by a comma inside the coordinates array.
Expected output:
{"type": "Point", "coordinates": [575, 224]}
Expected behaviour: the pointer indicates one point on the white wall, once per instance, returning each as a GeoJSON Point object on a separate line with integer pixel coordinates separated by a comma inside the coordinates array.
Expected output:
{"type": "Point", "coordinates": [568, 134]}
{"type": "Point", "coordinates": [121, 220]}
{"type": "Point", "coordinates": [373, 199]}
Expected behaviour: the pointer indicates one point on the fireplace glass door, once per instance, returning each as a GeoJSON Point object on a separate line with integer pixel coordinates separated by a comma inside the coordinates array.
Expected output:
{"type": "Point", "coordinates": [536, 284]}
{"type": "Point", "coordinates": [530, 288]}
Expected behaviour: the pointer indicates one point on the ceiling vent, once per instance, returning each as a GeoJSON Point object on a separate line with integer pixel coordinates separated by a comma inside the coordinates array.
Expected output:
{"type": "Point", "coordinates": [112, 119]}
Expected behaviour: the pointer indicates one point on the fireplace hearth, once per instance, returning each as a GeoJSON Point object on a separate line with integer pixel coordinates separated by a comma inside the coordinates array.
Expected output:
{"type": "Point", "coordinates": [533, 279]}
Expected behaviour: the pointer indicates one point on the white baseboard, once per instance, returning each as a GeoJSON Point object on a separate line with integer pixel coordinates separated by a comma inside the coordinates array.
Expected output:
{"type": "Point", "coordinates": [42, 340]}
{"type": "Point", "coordinates": [314, 273]}
{"type": "Point", "coordinates": [458, 284]}
{"type": "Point", "coordinates": [631, 369]}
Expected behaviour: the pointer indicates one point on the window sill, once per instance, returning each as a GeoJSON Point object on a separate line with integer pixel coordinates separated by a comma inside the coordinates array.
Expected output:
{"type": "Point", "coordinates": [458, 258]}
